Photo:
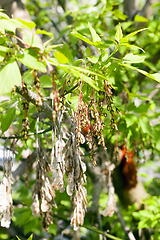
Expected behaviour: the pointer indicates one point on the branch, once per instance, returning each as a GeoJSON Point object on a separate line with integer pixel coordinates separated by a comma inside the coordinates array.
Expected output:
{"type": "Point", "coordinates": [126, 229]}
{"type": "Point", "coordinates": [32, 97]}
{"type": "Point", "coordinates": [131, 7]}
{"type": "Point", "coordinates": [20, 170]}
{"type": "Point", "coordinates": [147, 10]}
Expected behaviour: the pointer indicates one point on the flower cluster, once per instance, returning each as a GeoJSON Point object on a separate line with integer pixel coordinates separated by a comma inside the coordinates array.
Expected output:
{"type": "Point", "coordinates": [6, 207]}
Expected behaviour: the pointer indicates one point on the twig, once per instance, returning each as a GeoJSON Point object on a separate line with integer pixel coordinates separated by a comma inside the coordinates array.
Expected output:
{"type": "Point", "coordinates": [126, 229]}
{"type": "Point", "coordinates": [30, 134]}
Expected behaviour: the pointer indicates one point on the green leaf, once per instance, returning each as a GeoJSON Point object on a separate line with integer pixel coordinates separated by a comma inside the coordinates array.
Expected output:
{"type": "Point", "coordinates": [9, 76]}
{"type": "Point", "coordinates": [95, 36]}
{"type": "Point", "coordinates": [104, 56]}
{"type": "Point", "coordinates": [46, 81]}
{"type": "Point", "coordinates": [26, 24]}
{"type": "Point", "coordinates": [52, 228]}
{"type": "Point", "coordinates": [67, 52]}
{"type": "Point", "coordinates": [6, 49]}
{"type": "Point", "coordinates": [93, 59]}
{"type": "Point", "coordinates": [119, 33]}
{"type": "Point", "coordinates": [7, 119]}
{"type": "Point", "coordinates": [2, 56]}
{"type": "Point", "coordinates": [30, 238]}
{"type": "Point", "coordinates": [7, 25]}
{"type": "Point", "coordinates": [18, 237]}
{"type": "Point", "coordinates": [86, 71]}
{"type": "Point", "coordinates": [156, 76]}
{"type": "Point", "coordinates": [30, 58]}
{"type": "Point", "coordinates": [3, 15]}
{"type": "Point", "coordinates": [133, 58]}
{"type": "Point", "coordinates": [138, 70]}
{"type": "Point", "coordinates": [139, 18]}
{"type": "Point", "coordinates": [130, 119]}
{"type": "Point", "coordinates": [134, 33]}
{"type": "Point", "coordinates": [30, 39]}
{"type": "Point", "coordinates": [60, 57]}
{"type": "Point", "coordinates": [83, 38]}
{"type": "Point", "coordinates": [89, 81]}
{"type": "Point", "coordinates": [39, 31]}
{"type": "Point", "coordinates": [131, 46]}
{"type": "Point", "coordinates": [119, 14]}
{"type": "Point", "coordinates": [146, 128]}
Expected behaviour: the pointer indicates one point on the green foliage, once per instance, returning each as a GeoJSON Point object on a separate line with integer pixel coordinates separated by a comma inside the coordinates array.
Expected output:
{"type": "Point", "coordinates": [92, 55]}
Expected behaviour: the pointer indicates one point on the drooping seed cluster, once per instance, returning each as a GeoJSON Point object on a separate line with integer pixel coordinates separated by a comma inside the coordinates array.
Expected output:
{"type": "Point", "coordinates": [90, 123]}
{"type": "Point", "coordinates": [108, 100]}
{"type": "Point", "coordinates": [66, 160]}
{"type": "Point", "coordinates": [25, 107]}
{"type": "Point", "coordinates": [43, 192]}
{"type": "Point", "coordinates": [37, 85]}
{"type": "Point", "coordinates": [6, 204]}
{"type": "Point", "coordinates": [74, 169]}
{"type": "Point", "coordinates": [54, 96]}
{"type": "Point", "coordinates": [57, 164]}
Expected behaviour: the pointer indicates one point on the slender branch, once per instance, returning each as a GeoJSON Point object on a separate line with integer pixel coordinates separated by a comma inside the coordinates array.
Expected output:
{"type": "Point", "coordinates": [32, 97]}
{"type": "Point", "coordinates": [22, 167]}
{"type": "Point", "coordinates": [30, 134]}
{"type": "Point", "coordinates": [94, 229]}
{"type": "Point", "coordinates": [126, 229]}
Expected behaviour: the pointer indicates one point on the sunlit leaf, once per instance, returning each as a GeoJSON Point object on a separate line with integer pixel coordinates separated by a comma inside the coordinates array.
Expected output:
{"type": "Point", "coordinates": [134, 33]}
{"type": "Point", "coordinates": [30, 59]}
{"type": "Point", "coordinates": [139, 18]}
{"type": "Point", "coordinates": [80, 36]}
{"type": "Point", "coordinates": [60, 57]}
{"type": "Point", "coordinates": [95, 36]}
{"type": "Point", "coordinates": [118, 34]}
{"type": "Point", "coordinates": [7, 25]}
{"type": "Point", "coordinates": [133, 58]}
{"type": "Point", "coordinates": [39, 31]}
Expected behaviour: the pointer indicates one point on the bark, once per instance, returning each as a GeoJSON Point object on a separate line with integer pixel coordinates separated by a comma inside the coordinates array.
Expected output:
{"type": "Point", "coordinates": [131, 7]}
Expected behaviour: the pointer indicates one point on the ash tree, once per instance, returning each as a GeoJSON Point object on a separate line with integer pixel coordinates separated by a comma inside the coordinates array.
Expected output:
{"type": "Point", "coordinates": [79, 111]}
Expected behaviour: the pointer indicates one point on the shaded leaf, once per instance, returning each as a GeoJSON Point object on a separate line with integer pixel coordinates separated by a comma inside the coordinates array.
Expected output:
{"type": "Point", "coordinates": [7, 119]}
{"type": "Point", "coordinates": [9, 76]}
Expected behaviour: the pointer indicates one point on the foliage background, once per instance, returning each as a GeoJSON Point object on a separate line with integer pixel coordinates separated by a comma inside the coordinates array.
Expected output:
{"type": "Point", "coordinates": [135, 95]}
